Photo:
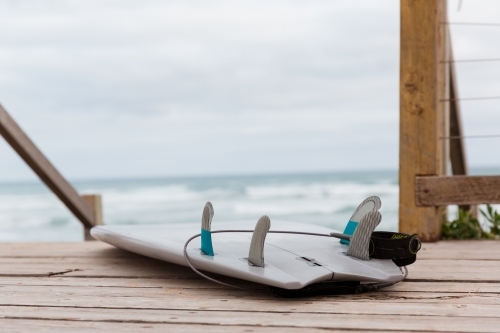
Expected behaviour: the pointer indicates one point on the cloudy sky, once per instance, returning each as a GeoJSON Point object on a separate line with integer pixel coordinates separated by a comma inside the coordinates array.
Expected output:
{"type": "Point", "coordinates": [166, 88]}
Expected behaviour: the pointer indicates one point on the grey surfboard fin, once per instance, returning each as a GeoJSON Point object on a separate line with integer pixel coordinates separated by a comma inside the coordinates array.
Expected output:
{"type": "Point", "coordinates": [256, 253]}
{"type": "Point", "coordinates": [206, 228]}
{"type": "Point", "coordinates": [372, 203]}
{"type": "Point", "coordinates": [360, 241]}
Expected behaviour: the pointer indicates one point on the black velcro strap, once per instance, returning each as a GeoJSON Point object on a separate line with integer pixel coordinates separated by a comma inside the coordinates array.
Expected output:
{"type": "Point", "coordinates": [401, 248]}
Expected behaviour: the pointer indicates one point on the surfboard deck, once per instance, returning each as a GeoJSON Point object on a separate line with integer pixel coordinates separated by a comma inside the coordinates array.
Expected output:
{"type": "Point", "coordinates": [291, 261]}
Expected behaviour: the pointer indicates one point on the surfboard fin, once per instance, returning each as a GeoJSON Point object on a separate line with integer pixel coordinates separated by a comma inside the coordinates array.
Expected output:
{"type": "Point", "coordinates": [372, 203]}
{"type": "Point", "coordinates": [206, 225]}
{"type": "Point", "coordinates": [256, 253]}
{"type": "Point", "coordinates": [360, 241]}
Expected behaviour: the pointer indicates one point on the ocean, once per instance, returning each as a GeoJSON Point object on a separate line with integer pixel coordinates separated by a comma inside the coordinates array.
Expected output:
{"type": "Point", "coordinates": [30, 212]}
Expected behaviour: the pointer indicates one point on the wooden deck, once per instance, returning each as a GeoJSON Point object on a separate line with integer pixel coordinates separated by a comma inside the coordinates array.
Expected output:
{"type": "Point", "coordinates": [453, 286]}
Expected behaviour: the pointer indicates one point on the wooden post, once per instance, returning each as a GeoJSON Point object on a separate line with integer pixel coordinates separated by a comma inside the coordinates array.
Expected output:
{"type": "Point", "coordinates": [95, 203]}
{"type": "Point", "coordinates": [35, 159]}
{"type": "Point", "coordinates": [423, 83]}
{"type": "Point", "coordinates": [457, 147]}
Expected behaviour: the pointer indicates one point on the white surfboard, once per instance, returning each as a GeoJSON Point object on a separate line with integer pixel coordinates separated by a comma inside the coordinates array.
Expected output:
{"type": "Point", "coordinates": [290, 261]}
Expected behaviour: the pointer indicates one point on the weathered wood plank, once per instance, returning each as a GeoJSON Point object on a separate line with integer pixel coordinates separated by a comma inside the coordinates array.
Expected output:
{"type": "Point", "coordinates": [456, 250]}
{"type": "Point", "coordinates": [61, 250]}
{"type": "Point", "coordinates": [422, 89]}
{"type": "Point", "coordinates": [383, 321]}
{"type": "Point", "coordinates": [226, 299]}
{"type": "Point", "coordinates": [141, 283]}
{"type": "Point", "coordinates": [41, 325]}
{"type": "Point", "coordinates": [467, 262]}
{"type": "Point", "coordinates": [460, 270]}
{"type": "Point", "coordinates": [461, 250]}
{"type": "Point", "coordinates": [457, 190]}
{"type": "Point", "coordinates": [27, 150]}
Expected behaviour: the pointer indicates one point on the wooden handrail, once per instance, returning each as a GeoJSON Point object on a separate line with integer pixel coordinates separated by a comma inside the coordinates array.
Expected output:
{"type": "Point", "coordinates": [456, 190]}
{"type": "Point", "coordinates": [28, 151]}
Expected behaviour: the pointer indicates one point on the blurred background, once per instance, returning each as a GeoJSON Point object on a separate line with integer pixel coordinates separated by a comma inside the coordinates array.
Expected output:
{"type": "Point", "coordinates": [285, 108]}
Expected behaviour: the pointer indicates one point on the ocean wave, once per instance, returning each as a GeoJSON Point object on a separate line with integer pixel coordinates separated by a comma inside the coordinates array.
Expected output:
{"type": "Point", "coordinates": [320, 199]}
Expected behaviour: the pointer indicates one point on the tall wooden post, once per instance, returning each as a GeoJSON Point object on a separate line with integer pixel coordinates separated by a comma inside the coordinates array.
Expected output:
{"type": "Point", "coordinates": [423, 82]}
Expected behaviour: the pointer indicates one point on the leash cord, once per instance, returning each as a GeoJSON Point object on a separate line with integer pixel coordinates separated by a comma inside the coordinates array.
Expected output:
{"type": "Point", "coordinates": [372, 286]}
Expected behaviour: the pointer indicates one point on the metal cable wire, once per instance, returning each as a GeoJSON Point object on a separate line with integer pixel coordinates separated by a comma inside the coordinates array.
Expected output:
{"type": "Point", "coordinates": [469, 99]}
{"type": "Point", "coordinates": [471, 60]}
{"type": "Point", "coordinates": [469, 137]}
{"type": "Point", "coordinates": [186, 257]}
{"type": "Point", "coordinates": [472, 23]}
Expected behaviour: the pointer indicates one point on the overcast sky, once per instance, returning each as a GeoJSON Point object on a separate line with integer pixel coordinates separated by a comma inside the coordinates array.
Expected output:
{"type": "Point", "coordinates": [166, 88]}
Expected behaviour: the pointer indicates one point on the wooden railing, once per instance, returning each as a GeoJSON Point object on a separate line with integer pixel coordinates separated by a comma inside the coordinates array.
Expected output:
{"type": "Point", "coordinates": [87, 209]}
{"type": "Point", "coordinates": [430, 126]}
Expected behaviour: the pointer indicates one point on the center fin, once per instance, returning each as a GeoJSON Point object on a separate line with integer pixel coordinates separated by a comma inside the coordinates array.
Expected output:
{"type": "Point", "coordinates": [256, 253]}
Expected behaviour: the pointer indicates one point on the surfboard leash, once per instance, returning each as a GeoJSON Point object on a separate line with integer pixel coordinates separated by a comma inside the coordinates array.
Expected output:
{"type": "Point", "coordinates": [379, 246]}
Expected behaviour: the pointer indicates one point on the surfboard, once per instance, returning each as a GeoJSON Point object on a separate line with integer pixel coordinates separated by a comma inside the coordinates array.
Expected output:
{"type": "Point", "coordinates": [289, 261]}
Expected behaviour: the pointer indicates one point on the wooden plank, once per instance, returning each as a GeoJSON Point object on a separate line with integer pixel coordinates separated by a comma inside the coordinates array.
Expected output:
{"type": "Point", "coordinates": [42, 325]}
{"type": "Point", "coordinates": [274, 320]}
{"type": "Point", "coordinates": [450, 249]}
{"type": "Point", "coordinates": [422, 89]}
{"type": "Point", "coordinates": [180, 297]}
{"type": "Point", "coordinates": [95, 267]}
{"type": "Point", "coordinates": [457, 270]}
{"type": "Point", "coordinates": [461, 250]}
{"type": "Point", "coordinates": [61, 249]}
{"type": "Point", "coordinates": [145, 283]}
{"type": "Point", "coordinates": [27, 150]}
{"type": "Point", "coordinates": [389, 302]}
{"type": "Point", "coordinates": [457, 190]}
{"type": "Point", "coordinates": [94, 201]}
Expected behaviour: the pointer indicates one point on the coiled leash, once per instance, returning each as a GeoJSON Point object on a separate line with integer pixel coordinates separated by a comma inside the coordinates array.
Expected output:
{"type": "Point", "coordinates": [399, 247]}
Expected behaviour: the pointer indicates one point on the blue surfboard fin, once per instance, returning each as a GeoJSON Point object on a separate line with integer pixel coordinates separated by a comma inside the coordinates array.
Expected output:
{"type": "Point", "coordinates": [368, 205]}
{"type": "Point", "coordinates": [206, 225]}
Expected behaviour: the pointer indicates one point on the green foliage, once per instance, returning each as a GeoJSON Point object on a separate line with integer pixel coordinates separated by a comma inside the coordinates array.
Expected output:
{"type": "Point", "coordinates": [464, 227]}
{"type": "Point", "coordinates": [467, 226]}
{"type": "Point", "coordinates": [493, 219]}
